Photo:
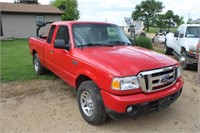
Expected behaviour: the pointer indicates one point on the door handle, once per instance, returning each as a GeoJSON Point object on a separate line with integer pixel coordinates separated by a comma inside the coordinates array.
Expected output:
{"type": "Point", "coordinates": [51, 51]}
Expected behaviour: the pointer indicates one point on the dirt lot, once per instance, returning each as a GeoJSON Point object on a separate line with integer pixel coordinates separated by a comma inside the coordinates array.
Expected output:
{"type": "Point", "coordinates": [51, 106]}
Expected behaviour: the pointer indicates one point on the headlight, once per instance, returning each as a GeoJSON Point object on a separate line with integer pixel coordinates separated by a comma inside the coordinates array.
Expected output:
{"type": "Point", "coordinates": [192, 50]}
{"type": "Point", "coordinates": [179, 71]}
{"type": "Point", "coordinates": [125, 83]}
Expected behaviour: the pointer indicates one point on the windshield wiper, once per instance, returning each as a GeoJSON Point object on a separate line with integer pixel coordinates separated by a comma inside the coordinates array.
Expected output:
{"type": "Point", "coordinates": [119, 43]}
{"type": "Point", "coordinates": [95, 44]}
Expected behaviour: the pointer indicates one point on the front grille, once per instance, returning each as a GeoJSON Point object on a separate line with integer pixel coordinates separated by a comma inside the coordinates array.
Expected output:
{"type": "Point", "coordinates": [158, 79]}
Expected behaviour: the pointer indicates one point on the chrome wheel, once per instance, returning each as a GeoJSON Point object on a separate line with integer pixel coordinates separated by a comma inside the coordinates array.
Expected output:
{"type": "Point", "coordinates": [36, 65]}
{"type": "Point", "coordinates": [39, 69]}
{"type": "Point", "coordinates": [183, 61]}
{"type": "Point", "coordinates": [86, 103]}
{"type": "Point", "coordinates": [90, 103]}
{"type": "Point", "coordinates": [165, 49]}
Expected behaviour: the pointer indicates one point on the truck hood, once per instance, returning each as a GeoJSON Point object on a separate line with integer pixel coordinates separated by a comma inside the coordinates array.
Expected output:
{"type": "Point", "coordinates": [123, 60]}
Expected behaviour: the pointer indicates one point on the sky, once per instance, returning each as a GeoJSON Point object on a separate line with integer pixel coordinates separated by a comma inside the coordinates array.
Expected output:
{"type": "Point", "coordinates": [114, 11]}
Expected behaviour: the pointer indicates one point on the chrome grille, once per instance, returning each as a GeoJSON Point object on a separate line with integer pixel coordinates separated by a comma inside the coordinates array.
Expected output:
{"type": "Point", "coordinates": [159, 79]}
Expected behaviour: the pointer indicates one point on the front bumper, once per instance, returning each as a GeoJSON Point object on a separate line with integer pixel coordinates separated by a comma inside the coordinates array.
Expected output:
{"type": "Point", "coordinates": [147, 106]}
{"type": "Point", "coordinates": [191, 59]}
{"type": "Point", "coordinates": [119, 104]}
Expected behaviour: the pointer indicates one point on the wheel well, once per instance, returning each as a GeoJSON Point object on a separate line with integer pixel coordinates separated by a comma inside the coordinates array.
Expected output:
{"type": "Point", "coordinates": [80, 79]}
{"type": "Point", "coordinates": [182, 49]}
{"type": "Point", "coordinates": [34, 52]}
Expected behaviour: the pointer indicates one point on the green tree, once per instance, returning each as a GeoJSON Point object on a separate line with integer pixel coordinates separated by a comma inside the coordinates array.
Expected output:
{"type": "Point", "coordinates": [146, 11]}
{"type": "Point", "coordinates": [189, 21]}
{"type": "Point", "coordinates": [178, 20]}
{"type": "Point", "coordinates": [169, 15]}
{"type": "Point", "coordinates": [168, 20]}
{"type": "Point", "coordinates": [160, 21]}
{"type": "Point", "coordinates": [69, 7]}
{"type": "Point", "coordinates": [172, 19]}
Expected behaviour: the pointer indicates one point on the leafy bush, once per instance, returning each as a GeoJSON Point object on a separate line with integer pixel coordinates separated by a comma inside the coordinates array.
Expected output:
{"type": "Point", "coordinates": [144, 42]}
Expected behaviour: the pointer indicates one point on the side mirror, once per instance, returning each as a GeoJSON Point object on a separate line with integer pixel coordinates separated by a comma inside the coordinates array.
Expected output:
{"type": "Point", "coordinates": [176, 34]}
{"type": "Point", "coordinates": [181, 35]}
{"type": "Point", "coordinates": [60, 44]}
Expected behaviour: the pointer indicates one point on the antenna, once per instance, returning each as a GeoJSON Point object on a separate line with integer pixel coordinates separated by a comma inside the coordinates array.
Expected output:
{"type": "Point", "coordinates": [81, 11]}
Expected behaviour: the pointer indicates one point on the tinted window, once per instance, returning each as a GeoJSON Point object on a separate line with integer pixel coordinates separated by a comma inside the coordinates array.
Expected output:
{"type": "Point", "coordinates": [63, 33]}
{"type": "Point", "coordinates": [109, 34]}
{"type": "Point", "coordinates": [193, 32]}
{"type": "Point", "coordinates": [181, 31]}
{"type": "Point", "coordinates": [49, 39]}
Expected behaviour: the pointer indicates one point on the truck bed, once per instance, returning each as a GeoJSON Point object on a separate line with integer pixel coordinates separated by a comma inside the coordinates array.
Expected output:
{"type": "Point", "coordinates": [37, 44]}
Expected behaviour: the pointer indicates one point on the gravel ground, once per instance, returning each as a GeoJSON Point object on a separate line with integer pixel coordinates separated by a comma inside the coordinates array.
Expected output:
{"type": "Point", "coordinates": [47, 106]}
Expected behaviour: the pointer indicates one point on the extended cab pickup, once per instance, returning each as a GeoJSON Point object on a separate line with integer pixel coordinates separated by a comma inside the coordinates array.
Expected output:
{"type": "Point", "coordinates": [112, 77]}
{"type": "Point", "coordinates": [183, 44]}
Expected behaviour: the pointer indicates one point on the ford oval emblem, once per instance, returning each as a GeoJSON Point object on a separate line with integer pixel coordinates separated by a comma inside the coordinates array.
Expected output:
{"type": "Point", "coordinates": [165, 79]}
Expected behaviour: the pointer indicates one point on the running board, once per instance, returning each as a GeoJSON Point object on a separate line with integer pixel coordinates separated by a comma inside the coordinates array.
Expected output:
{"type": "Point", "coordinates": [175, 54]}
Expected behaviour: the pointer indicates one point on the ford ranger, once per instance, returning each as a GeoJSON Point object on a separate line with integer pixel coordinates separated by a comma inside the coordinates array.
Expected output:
{"type": "Point", "coordinates": [183, 44]}
{"type": "Point", "coordinates": [112, 77]}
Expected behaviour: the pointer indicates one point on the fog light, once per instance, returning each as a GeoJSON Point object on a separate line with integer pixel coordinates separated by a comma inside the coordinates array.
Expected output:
{"type": "Point", "coordinates": [129, 109]}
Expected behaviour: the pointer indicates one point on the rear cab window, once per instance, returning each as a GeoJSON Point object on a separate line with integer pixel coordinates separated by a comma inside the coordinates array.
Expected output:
{"type": "Point", "coordinates": [49, 39]}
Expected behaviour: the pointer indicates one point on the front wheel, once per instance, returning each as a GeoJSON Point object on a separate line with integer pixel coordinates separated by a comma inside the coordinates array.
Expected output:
{"type": "Point", "coordinates": [90, 103]}
{"type": "Point", "coordinates": [183, 61]}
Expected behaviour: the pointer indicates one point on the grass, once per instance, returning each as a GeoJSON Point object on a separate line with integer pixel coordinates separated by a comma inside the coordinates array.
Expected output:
{"type": "Point", "coordinates": [155, 29]}
{"type": "Point", "coordinates": [16, 62]}
{"type": "Point", "coordinates": [159, 50]}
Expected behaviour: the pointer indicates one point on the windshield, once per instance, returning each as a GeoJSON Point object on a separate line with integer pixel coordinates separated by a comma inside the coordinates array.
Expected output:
{"type": "Point", "coordinates": [193, 32]}
{"type": "Point", "coordinates": [99, 34]}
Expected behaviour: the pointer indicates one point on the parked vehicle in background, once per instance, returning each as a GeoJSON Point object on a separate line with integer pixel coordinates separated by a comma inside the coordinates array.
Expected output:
{"type": "Point", "coordinates": [161, 32]}
{"type": "Point", "coordinates": [112, 77]}
{"type": "Point", "coordinates": [183, 43]}
{"type": "Point", "coordinates": [159, 37]}
{"type": "Point", "coordinates": [137, 25]}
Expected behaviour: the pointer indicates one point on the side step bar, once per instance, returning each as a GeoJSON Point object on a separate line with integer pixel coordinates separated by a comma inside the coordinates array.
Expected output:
{"type": "Point", "coordinates": [175, 54]}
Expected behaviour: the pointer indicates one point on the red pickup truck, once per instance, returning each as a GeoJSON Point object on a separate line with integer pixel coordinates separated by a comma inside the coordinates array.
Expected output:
{"type": "Point", "coordinates": [112, 77]}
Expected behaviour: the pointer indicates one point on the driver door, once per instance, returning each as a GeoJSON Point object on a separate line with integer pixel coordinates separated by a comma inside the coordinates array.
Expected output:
{"type": "Point", "coordinates": [62, 57]}
{"type": "Point", "coordinates": [178, 40]}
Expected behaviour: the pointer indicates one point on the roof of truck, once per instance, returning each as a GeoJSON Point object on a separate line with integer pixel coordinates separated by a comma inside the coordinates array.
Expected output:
{"type": "Point", "coordinates": [79, 22]}
{"type": "Point", "coordinates": [186, 25]}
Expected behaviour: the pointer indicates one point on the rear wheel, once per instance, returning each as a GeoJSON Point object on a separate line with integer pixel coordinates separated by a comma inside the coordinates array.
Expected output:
{"type": "Point", "coordinates": [183, 60]}
{"type": "Point", "coordinates": [90, 103]}
{"type": "Point", "coordinates": [167, 50]}
{"type": "Point", "coordinates": [39, 69]}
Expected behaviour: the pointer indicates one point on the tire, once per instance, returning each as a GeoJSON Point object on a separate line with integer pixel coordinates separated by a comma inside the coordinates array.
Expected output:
{"type": "Point", "coordinates": [183, 61]}
{"type": "Point", "coordinates": [39, 69]}
{"type": "Point", "coordinates": [90, 103]}
{"type": "Point", "coordinates": [167, 50]}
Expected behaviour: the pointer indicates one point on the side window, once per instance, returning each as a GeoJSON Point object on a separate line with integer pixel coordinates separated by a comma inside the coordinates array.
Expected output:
{"type": "Point", "coordinates": [178, 30]}
{"type": "Point", "coordinates": [181, 32]}
{"type": "Point", "coordinates": [63, 33]}
{"type": "Point", "coordinates": [49, 39]}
